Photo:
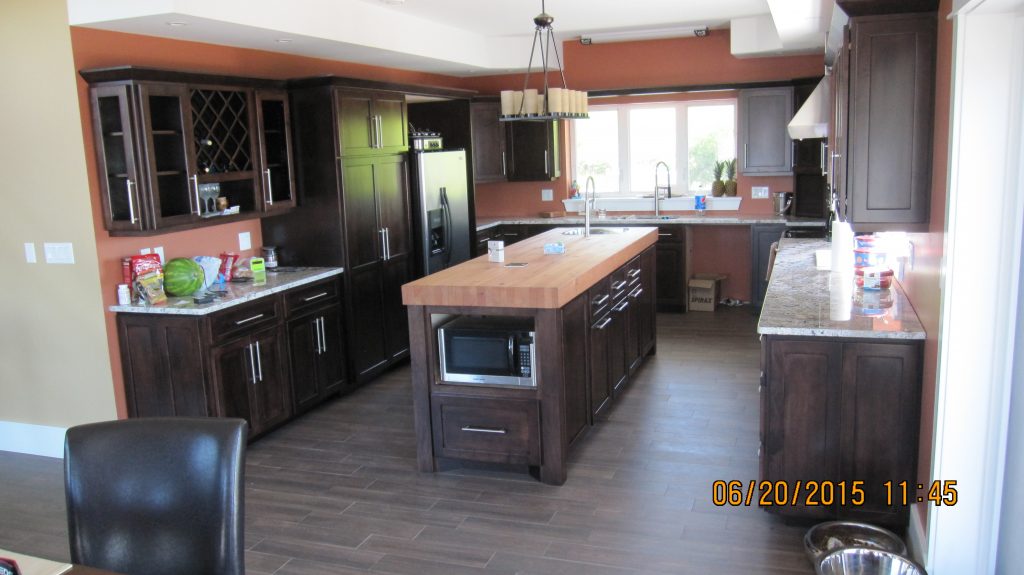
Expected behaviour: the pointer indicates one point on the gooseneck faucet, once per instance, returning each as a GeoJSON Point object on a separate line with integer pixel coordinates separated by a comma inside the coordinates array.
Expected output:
{"type": "Point", "coordinates": [658, 189]}
{"type": "Point", "coordinates": [589, 198]}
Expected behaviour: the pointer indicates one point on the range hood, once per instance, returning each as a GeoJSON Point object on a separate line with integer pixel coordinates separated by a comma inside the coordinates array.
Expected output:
{"type": "Point", "coordinates": [811, 120]}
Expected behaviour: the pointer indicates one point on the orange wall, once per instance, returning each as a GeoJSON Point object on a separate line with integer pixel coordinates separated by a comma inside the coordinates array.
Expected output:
{"type": "Point", "coordinates": [98, 48]}
{"type": "Point", "coordinates": [922, 284]}
{"type": "Point", "coordinates": [646, 64]}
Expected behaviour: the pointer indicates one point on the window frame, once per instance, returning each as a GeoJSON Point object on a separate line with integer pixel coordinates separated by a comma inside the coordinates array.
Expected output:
{"type": "Point", "coordinates": [681, 173]}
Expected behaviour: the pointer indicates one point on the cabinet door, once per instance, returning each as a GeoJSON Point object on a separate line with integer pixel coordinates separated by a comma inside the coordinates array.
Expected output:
{"type": "Point", "coordinates": [762, 236]}
{"type": "Point", "coordinates": [234, 366]}
{"type": "Point", "coordinates": [801, 430]}
{"type": "Point", "coordinates": [838, 129]}
{"type": "Point", "coordinates": [366, 333]}
{"type": "Point", "coordinates": [392, 131]}
{"type": "Point", "coordinates": [396, 318]}
{"type": "Point", "coordinates": [670, 277]}
{"type": "Point", "coordinates": [271, 391]}
{"type": "Point", "coordinates": [766, 147]}
{"type": "Point", "coordinates": [170, 169]}
{"type": "Point", "coordinates": [118, 164]}
{"type": "Point", "coordinates": [533, 149]}
{"type": "Point", "coordinates": [305, 343]}
{"type": "Point", "coordinates": [618, 329]}
{"type": "Point", "coordinates": [880, 420]}
{"type": "Point", "coordinates": [162, 359]}
{"type": "Point", "coordinates": [892, 88]}
{"type": "Point", "coordinates": [488, 142]}
{"type": "Point", "coordinates": [645, 301]}
{"type": "Point", "coordinates": [275, 151]}
{"type": "Point", "coordinates": [391, 189]}
{"type": "Point", "coordinates": [331, 362]}
{"type": "Point", "coordinates": [356, 123]}
{"type": "Point", "coordinates": [363, 233]}
{"type": "Point", "coordinates": [600, 386]}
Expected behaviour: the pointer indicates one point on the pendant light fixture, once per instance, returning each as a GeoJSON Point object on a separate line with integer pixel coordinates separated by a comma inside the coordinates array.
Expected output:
{"type": "Point", "coordinates": [554, 103]}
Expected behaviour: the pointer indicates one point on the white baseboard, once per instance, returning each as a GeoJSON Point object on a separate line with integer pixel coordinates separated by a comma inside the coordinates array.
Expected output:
{"type": "Point", "coordinates": [917, 541]}
{"type": "Point", "coordinates": [32, 439]}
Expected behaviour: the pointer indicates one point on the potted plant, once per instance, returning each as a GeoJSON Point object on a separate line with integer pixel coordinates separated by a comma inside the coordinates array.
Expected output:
{"type": "Point", "coordinates": [718, 186]}
{"type": "Point", "coordinates": [730, 173]}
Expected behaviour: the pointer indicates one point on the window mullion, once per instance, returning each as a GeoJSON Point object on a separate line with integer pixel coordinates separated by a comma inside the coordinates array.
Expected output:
{"type": "Point", "coordinates": [624, 167]}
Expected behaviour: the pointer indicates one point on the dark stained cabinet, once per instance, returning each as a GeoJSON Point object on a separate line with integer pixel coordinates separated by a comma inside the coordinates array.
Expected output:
{"type": "Point", "coordinates": [489, 155]}
{"type": "Point", "coordinates": [532, 151]}
{"type": "Point", "coordinates": [762, 236]}
{"type": "Point", "coordinates": [671, 252]}
{"type": "Point", "coordinates": [371, 123]}
{"type": "Point", "coordinates": [765, 146]}
{"type": "Point", "coordinates": [598, 338]}
{"type": "Point", "coordinates": [841, 411]}
{"type": "Point", "coordinates": [249, 372]}
{"type": "Point", "coordinates": [317, 355]}
{"type": "Point", "coordinates": [883, 108]}
{"type": "Point", "coordinates": [168, 144]}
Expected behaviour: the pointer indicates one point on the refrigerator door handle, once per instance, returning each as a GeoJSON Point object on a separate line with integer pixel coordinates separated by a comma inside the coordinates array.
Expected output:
{"type": "Point", "coordinates": [447, 210]}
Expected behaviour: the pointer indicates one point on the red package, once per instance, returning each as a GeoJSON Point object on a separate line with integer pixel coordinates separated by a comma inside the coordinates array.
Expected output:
{"type": "Point", "coordinates": [227, 261]}
{"type": "Point", "coordinates": [145, 264]}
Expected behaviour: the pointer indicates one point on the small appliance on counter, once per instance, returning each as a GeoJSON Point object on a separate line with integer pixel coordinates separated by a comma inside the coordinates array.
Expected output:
{"type": "Point", "coordinates": [425, 141]}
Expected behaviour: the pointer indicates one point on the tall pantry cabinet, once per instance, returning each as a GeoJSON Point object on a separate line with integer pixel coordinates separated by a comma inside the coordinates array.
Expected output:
{"type": "Point", "coordinates": [353, 211]}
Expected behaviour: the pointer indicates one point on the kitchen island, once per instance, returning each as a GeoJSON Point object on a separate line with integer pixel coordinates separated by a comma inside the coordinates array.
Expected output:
{"type": "Point", "coordinates": [592, 314]}
{"type": "Point", "coordinates": [840, 394]}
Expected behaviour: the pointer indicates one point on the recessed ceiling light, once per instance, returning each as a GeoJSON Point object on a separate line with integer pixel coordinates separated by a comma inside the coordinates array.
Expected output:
{"type": "Point", "coordinates": [393, 2]}
{"type": "Point", "coordinates": [284, 41]}
{"type": "Point", "coordinates": [177, 23]}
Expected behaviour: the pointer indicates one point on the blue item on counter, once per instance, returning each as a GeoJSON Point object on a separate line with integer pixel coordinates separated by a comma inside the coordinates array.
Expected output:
{"type": "Point", "coordinates": [554, 248]}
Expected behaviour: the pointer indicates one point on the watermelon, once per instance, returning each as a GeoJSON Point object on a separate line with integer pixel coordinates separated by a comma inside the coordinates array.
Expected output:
{"type": "Point", "coordinates": [182, 277]}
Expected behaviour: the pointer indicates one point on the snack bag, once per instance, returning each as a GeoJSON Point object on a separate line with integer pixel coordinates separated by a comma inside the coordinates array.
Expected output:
{"type": "Point", "coordinates": [150, 287]}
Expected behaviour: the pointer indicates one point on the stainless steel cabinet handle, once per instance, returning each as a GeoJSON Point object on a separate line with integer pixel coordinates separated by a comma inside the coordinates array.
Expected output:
{"type": "Point", "coordinates": [248, 319]}
{"type": "Point", "coordinates": [824, 151]}
{"type": "Point", "coordinates": [546, 170]}
{"type": "Point", "coordinates": [323, 334]}
{"type": "Point", "coordinates": [744, 166]}
{"type": "Point", "coordinates": [600, 301]}
{"type": "Point", "coordinates": [195, 182]}
{"type": "Point", "coordinates": [380, 131]}
{"type": "Point", "coordinates": [383, 249]}
{"type": "Point", "coordinates": [270, 189]}
{"type": "Point", "coordinates": [475, 429]}
{"type": "Point", "coordinates": [259, 361]}
{"type": "Point", "coordinates": [131, 202]}
{"type": "Point", "coordinates": [622, 306]}
{"type": "Point", "coordinates": [317, 296]}
{"type": "Point", "coordinates": [387, 244]}
{"type": "Point", "coordinates": [633, 273]}
{"type": "Point", "coordinates": [619, 285]}
{"type": "Point", "coordinates": [504, 170]}
{"type": "Point", "coordinates": [252, 365]}
{"type": "Point", "coordinates": [604, 323]}
{"type": "Point", "coordinates": [636, 293]}
{"type": "Point", "coordinates": [373, 130]}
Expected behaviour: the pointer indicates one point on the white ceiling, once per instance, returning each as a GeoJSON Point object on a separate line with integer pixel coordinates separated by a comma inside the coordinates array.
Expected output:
{"type": "Point", "coordinates": [456, 37]}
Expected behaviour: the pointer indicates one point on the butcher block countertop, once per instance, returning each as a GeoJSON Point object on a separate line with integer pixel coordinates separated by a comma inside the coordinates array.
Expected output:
{"type": "Point", "coordinates": [547, 281]}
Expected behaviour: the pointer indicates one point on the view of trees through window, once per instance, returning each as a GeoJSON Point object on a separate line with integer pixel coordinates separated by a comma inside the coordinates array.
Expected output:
{"type": "Point", "coordinates": [620, 145]}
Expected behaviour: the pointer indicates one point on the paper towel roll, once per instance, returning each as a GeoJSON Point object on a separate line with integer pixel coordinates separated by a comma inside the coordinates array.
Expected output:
{"type": "Point", "coordinates": [842, 247]}
{"type": "Point", "coordinates": [840, 295]}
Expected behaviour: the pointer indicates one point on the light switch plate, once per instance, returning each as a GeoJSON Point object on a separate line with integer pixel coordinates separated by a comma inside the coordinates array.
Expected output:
{"type": "Point", "coordinates": [159, 250]}
{"type": "Point", "coordinates": [547, 195]}
{"type": "Point", "coordinates": [145, 251]}
{"type": "Point", "coordinates": [244, 241]}
{"type": "Point", "coordinates": [30, 252]}
{"type": "Point", "coordinates": [759, 192]}
{"type": "Point", "coordinates": [59, 253]}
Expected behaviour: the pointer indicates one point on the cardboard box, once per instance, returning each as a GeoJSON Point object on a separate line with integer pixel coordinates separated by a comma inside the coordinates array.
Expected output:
{"type": "Point", "coordinates": [704, 290]}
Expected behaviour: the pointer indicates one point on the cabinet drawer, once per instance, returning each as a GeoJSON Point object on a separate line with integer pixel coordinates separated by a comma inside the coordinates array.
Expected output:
{"type": "Point", "coordinates": [671, 234]}
{"type": "Point", "coordinates": [487, 429]}
{"type": "Point", "coordinates": [247, 317]}
{"type": "Point", "coordinates": [600, 295]}
{"type": "Point", "coordinates": [309, 295]}
{"type": "Point", "coordinates": [619, 283]}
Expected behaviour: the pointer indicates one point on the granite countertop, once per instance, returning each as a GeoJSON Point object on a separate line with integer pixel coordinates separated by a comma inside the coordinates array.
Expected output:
{"type": "Point", "coordinates": [805, 301]}
{"type": "Point", "coordinates": [710, 218]}
{"type": "Point", "coordinates": [236, 293]}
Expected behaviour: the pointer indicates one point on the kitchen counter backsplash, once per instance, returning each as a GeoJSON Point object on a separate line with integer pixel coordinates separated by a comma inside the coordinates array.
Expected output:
{"type": "Point", "coordinates": [235, 293]}
{"type": "Point", "coordinates": [804, 301]}
{"type": "Point", "coordinates": [673, 219]}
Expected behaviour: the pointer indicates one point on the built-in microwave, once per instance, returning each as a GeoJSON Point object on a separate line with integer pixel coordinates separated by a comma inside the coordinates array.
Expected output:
{"type": "Point", "coordinates": [488, 350]}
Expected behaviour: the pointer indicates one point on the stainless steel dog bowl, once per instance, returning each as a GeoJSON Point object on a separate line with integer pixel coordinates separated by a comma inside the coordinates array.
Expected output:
{"type": "Point", "coordinates": [830, 536]}
{"type": "Point", "coordinates": [860, 561]}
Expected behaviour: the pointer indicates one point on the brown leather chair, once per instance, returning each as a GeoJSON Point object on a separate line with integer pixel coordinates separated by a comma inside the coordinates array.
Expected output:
{"type": "Point", "coordinates": [157, 496]}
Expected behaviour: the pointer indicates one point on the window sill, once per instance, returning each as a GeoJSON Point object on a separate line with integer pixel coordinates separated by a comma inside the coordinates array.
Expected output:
{"type": "Point", "coordinates": [647, 204]}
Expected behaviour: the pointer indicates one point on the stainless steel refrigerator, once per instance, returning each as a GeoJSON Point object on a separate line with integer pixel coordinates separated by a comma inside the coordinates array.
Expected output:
{"type": "Point", "coordinates": [440, 209]}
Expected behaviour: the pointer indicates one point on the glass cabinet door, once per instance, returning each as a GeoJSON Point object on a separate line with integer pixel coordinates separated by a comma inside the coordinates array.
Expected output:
{"type": "Point", "coordinates": [275, 150]}
{"type": "Point", "coordinates": [168, 136]}
{"type": "Point", "coordinates": [123, 209]}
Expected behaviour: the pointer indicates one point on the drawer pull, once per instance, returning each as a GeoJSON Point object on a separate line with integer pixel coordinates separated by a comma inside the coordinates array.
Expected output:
{"type": "Point", "coordinates": [604, 323]}
{"type": "Point", "coordinates": [619, 285]}
{"type": "Point", "coordinates": [633, 273]}
{"type": "Point", "coordinates": [636, 293]}
{"type": "Point", "coordinates": [475, 429]}
{"type": "Point", "coordinates": [600, 301]}
{"type": "Point", "coordinates": [317, 296]}
{"type": "Point", "coordinates": [622, 306]}
{"type": "Point", "coordinates": [664, 235]}
{"type": "Point", "coordinates": [247, 320]}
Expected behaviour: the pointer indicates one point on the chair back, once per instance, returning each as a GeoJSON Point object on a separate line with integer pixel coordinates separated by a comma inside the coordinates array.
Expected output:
{"type": "Point", "coordinates": [157, 496]}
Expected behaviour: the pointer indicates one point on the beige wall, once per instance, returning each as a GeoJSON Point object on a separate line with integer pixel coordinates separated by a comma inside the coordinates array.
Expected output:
{"type": "Point", "coordinates": [54, 364]}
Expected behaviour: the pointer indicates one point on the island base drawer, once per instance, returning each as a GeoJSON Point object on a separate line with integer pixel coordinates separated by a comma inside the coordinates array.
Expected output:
{"type": "Point", "coordinates": [487, 429]}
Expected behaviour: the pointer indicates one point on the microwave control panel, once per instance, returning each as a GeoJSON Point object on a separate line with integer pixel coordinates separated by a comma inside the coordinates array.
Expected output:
{"type": "Point", "coordinates": [525, 359]}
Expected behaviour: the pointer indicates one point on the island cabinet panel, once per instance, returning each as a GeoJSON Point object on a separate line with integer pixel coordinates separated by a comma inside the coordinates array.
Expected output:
{"type": "Point", "coordinates": [581, 345]}
{"type": "Point", "coordinates": [671, 268]}
{"type": "Point", "coordinates": [842, 411]}
{"type": "Point", "coordinates": [262, 360]}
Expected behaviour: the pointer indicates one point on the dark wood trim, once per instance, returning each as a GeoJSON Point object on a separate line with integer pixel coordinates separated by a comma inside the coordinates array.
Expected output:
{"type": "Point", "coordinates": [550, 383]}
{"type": "Point", "coordinates": [870, 7]}
{"type": "Point", "coordinates": [653, 90]}
{"type": "Point", "coordinates": [144, 74]}
{"type": "Point", "coordinates": [359, 83]}
{"type": "Point", "coordinates": [419, 327]}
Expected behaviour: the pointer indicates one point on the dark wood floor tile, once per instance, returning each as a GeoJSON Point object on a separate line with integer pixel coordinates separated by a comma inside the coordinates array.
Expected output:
{"type": "Point", "coordinates": [543, 532]}
{"type": "Point", "coordinates": [424, 484]}
{"type": "Point", "coordinates": [300, 501]}
{"type": "Point", "coordinates": [274, 530]}
{"type": "Point", "coordinates": [295, 481]}
{"type": "Point", "coordinates": [364, 524]}
{"type": "Point", "coordinates": [431, 517]}
{"type": "Point", "coordinates": [529, 543]}
{"type": "Point", "coordinates": [427, 551]}
{"type": "Point", "coordinates": [319, 552]}
{"type": "Point", "coordinates": [311, 463]}
{"type": "Point", "coordinates": [368, 496]}
{"type": "Point", "coordinates": [549, 504]}
{"type": "Point", "coordinates": [532, 565]}
{"type": "Point", "coordinates": [405, 566]}
{"type": "Point", "coordinates": [492, 511]}
{"type": "Point", "coordinates": [257, 563]}
{"type": "Point", "coordinates": [308, 567]}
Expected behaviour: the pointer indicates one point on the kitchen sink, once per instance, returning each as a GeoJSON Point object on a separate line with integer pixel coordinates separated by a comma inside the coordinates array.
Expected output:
{"type": "Point", "coordinates": [593, 231]}
{"type": "Point", "coordinates": [659, 218]}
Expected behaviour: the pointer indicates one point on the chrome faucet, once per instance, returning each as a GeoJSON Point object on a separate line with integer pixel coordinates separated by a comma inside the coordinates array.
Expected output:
{"type": "Point", "coordinates": [589, 198]}
{"type": "Point", "coordinates": [658, 189]}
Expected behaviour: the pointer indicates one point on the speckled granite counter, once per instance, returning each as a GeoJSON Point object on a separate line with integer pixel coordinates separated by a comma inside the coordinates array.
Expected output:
{"type": "Point", "coordinates": [236, 293]}
{"type": "Point", "coordinates": [711, 218]}
{"type": "Point", "coordinates": [803, 300]}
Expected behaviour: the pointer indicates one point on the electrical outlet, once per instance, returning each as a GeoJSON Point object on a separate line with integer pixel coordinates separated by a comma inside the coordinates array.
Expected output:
{"type": "Point", "coordinates": [759, 192]}
{"type": "Point", "coordinates": [159, 250]}
{"type": "Point", "coordinates": [244, 241]}
{"type": "Point", "coordinates": [145, 251]}
{"type": "Point", "coordinates": [547, 195]}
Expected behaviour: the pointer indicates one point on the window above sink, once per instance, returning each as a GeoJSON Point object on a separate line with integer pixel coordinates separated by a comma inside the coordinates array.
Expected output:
{"type": "Point", "coordinates": [637, 204]}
